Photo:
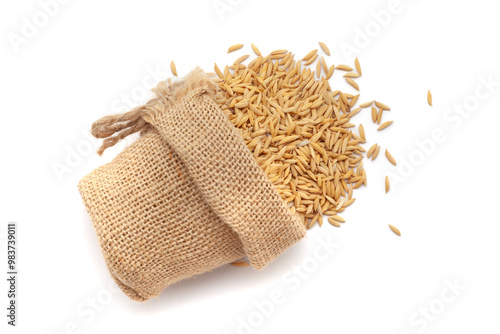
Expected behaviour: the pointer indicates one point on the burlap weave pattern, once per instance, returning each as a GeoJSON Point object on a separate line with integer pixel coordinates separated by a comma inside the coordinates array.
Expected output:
{"type": "Point", "coordinates": [186, 197]}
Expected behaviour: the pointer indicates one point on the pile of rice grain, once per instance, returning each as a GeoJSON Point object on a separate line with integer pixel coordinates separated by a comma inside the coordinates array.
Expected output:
{"type": "Point", "coordinates": [298, 129]}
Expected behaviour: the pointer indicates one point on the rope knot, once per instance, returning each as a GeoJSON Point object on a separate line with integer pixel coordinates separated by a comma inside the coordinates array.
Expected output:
{"type": "Point", "coordinates": [117, 127]}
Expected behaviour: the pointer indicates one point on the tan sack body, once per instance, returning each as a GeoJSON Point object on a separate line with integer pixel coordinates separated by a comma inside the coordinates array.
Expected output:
{"type": "Point", "coordinates": [186, 197]}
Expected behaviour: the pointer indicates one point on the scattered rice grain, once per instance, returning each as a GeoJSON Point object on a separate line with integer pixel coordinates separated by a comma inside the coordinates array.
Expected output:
{"type": "Point", "coordinates": [240, 264]}
{"type": "Point", "coordinates": [256, 50]}
{"type": "Point", "coordinates": [375, 154]}
{"type": "Point", "coordinates": [395, 230]}
{"type": "Point", "coordinates": [381, 105]}
{"type": "Point", "coordinates": [234, 48]}
{"type": "Point", "coordinates": [172, 68]}
{"type": "Point", "coordinates": [344, 68]}
{"type": "Point", "coordinates": [324, 48]}
{"type": "Point", "coordinates": [358, 67]}
{"type": "Point", "coordinates": [390, 158]}
{"type": "Point", "coordinates": [384, 125]}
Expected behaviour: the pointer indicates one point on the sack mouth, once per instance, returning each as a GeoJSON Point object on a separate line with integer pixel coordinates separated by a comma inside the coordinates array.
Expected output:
{"type": "Point", "coordinates": [214, 152]}
{"type": "Point", "coordinates": [197, 82]}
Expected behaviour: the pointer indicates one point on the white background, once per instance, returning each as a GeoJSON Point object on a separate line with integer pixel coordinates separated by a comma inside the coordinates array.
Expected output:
{"type": "Point", "coordinates": [91, 57]}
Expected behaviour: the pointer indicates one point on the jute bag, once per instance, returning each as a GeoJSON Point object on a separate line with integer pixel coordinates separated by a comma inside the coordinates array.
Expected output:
{"type": "Point", "coordinates": [186, 197]}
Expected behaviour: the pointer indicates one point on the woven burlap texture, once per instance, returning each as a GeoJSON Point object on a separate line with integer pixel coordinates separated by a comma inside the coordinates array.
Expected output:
{"type": "Point", "coordinates": [186, 197]}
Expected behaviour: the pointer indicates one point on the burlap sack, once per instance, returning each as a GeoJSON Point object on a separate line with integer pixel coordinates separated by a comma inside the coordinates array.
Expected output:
{"type": "Point", "coordinates": [186, 197]}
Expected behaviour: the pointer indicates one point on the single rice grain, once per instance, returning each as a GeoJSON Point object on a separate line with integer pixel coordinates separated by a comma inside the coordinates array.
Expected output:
{"type": "Point", "coordinates": [218, 71]}
{"type": "Point", "coordinates": [371, 150]}
{"type": "Point", "coordinates": [256, 50]}
{"type": "Point", "coordinates": [366, 104]}
{"type": "Point", "coordinates": [375, 153]}
{"type": "Point", "coordinates": [324, 48]}
{"type": "Point", "coordinates": [240, 264]}
{"type": "Point", "coordinates": [381, 105]}
{"type": "Point", "coordinates": [374, 115]}
{"type": "Point", "coordinates": [395, 230]}
{"type": "Point", "coordinates": [362, 132]}
{"type": "Point", "coordinates": [172, 68]}
{"type": "Point", "coordinates": [234, 48]}
{"type": "Point", "coordinates": [344, 68]}
{"type": "Point", "coordinates": [351, 75]}
{"type": "Point", "coordinates": [358, 67]}
{"type": "Point", "coordinates": [390, 158]}
{"type": "Point", "coordinates": [330, 72]}
{"type": "Point", "coordinates": [384, 125]}
{"type": "Point", "coordinates": [352, 83]}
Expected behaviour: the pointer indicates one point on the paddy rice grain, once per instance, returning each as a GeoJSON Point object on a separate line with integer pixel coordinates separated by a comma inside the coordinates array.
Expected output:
{"type": "Point", "coordinates": [381, 105]}
{"type": "Point", "coordinates": [366, 104]}
{"type": "Point", "coordinates": [371, 150]}
{"type": "Point", "coordinates": [395, 230]}
{"type": "Point", "coordinates": [324, 48]}
{"type": "Point", "coordinates": [375, 153]}
{"type": "Point", "coordinates": [234, 48]}
{"type": "Point", "coordinates": [379, 115]}
{"type": "Point", "coordinates": [352, 83]}
{"type": "Point", "coordinates": [358, 67]}
{"type": "Point", "coordinates": [172, 68]}
{"type": "Point", "coordinates": [240, 264]}
{"type": "Point", "coordinates": [256, 50]}
{"type": "Point", "coordinates": [384, 125]}
{"type": "Point", "coordinates": [374, 115]}
{"type": "Point", "coordinates": [344, 68]}
{"type": "Point", "coordinates": [390, 158]}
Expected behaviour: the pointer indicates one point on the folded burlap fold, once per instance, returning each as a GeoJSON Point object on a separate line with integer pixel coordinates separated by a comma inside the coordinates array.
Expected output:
{"type": "Point", "coordinates": [186, 197]}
